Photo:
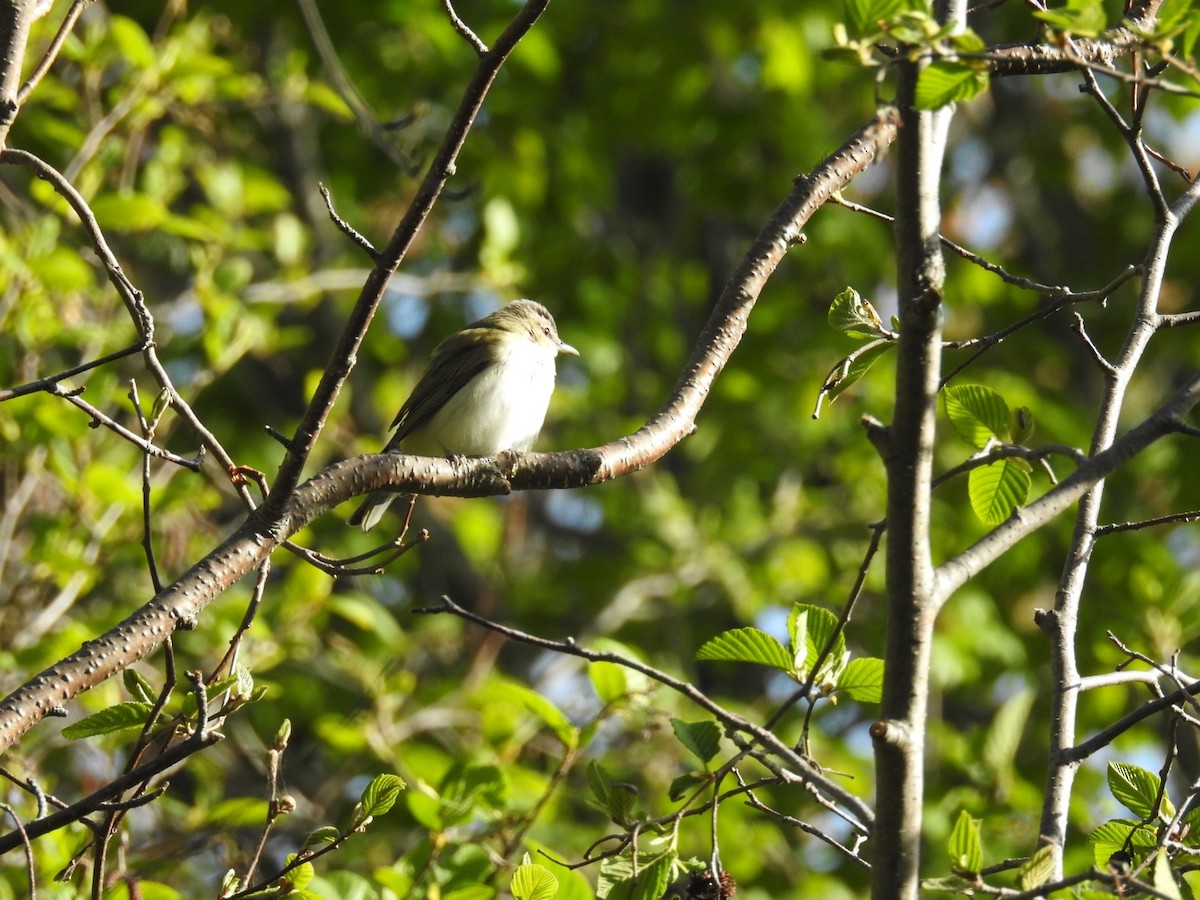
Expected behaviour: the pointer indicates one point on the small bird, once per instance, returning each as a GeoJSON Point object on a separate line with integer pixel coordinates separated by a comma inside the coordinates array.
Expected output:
{"type": "Point", "coordinates": [486, 389]}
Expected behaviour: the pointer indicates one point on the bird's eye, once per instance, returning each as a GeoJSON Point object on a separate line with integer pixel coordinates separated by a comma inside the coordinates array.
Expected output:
{"type": "Point", "coordinates": [546, 330]}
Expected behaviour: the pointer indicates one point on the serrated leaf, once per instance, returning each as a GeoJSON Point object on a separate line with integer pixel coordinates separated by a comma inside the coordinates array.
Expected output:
{"type": "Point", "coordinates": [120, 717]}
{"type": "Point", "coordinates": [599, 782]}
{"type": "Point", "coordinates": [863, 680]}
{"type": "Point", "coordinates": [617, 876]}
{"type": "Point", "coordinates": [811, 628]}
{"type": "Point", "coordinates": [381, 794]}
{"type": "Point", "coordinates": [851, 314]}
{"type": "Point", "coordinates": [532, 882]}
{"type": "Point", "coordinates": [1134, 788]}
{"type": "Point", "coordinates": [703, 739]}
{"type": "Point", "coordinates": [1115, 834]}
{"type": "Point", "coordinates": [615, 800]}
{"type": "Point", "coordinates": [609, 681]}
{"type": "Point", "coordinates": [977, 413]}
{"type": "Point", "coordinates": [995, 490]}
{"type": "Point", "coordinates": [747, 645]}
{"type": "Point", "coordinates": [946, 81]}
{"type": "Point", "coordinates": [966, 850]}
{"type": "Point", "coordinates": [1038, 869]}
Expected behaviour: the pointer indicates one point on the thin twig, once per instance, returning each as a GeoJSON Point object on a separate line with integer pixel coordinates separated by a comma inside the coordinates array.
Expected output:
{"type": "Point", "coordinates": [47, 60]}
{"type": "Point", "coordinates": [464, 29]}
{"type": "Point", "coordinates": [346, 228]}
{"type": "Point", "coordinates": [815, 780]}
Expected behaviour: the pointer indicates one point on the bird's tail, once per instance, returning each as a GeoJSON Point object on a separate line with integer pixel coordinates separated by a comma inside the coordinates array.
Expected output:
{"type": "Point", "coordinates": [372, 510]}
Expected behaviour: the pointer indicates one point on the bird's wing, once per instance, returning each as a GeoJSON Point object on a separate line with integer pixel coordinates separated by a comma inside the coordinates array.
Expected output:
{"type": "Point", "coordinates": [450, 369]}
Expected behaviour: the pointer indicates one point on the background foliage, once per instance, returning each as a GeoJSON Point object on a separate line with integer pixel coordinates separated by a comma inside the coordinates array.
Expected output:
{"type": "Point", "coordinates": [626, 158]}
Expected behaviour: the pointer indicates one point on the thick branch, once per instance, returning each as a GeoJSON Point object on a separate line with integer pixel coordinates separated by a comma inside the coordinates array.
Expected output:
{"type": "Point", "coordinates": [908, 454]}
{"type": "Point", "coordinates": [181, 603]}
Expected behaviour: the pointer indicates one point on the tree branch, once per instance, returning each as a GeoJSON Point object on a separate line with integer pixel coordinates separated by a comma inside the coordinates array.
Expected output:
{"type": "Point", "coordinates": [246, 549]}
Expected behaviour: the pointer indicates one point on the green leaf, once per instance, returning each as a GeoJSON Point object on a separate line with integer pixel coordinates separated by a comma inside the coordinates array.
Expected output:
{"type": "Point", "coordinates": [609, 681]}
{"type": "Point", "coordinates": [999, 488]}
{"type": "Point", "coordinates": [301, 876]}
{"type": "Point", "coordinates": [617, 877]}
{"type": "Point", "coordinates": [614, 799]}
{"type": "Point", "coordinates": [132, 41]}
{"type": "Point", "coordinates": [703, 739]}
{"type": "Point", "coordinates": [138, 686]}
{"type": "Point", "coordinates": [326, 834]}
{"type": "Point", "coordinates": [863, 680]}
{"type": "Point", "coordinates": [129, 212]}
{"type": "Point", "coordinates": [851, 314]}
{"type": "Point", "coordinates": [977, 413]}
{"type": "Point", "coordinates": [747, 645]}
{"type": "Point", "coordinates": [946, 81]}
{"type": "Point", "coordinates": [855, 366]}
{"type": "Point", "coordinates": [121, 717]}
{"type": "Point", "coordinates": [551, 715]}
{"type": "Point", "coordinates": [532, 882]}
{"type": "Point", "coordinates": [865, 16]}
{"type": "Point", "coordinates": [1164, 879]}
{"type": "Point", "coordinates": [1004, 734]}
{"type": "Point", "coordinates": [1084, 18]}
{"type": "Point", "coordinates": [966, 849]}
{"type": "Point", "coordinates": [811, 628]}
{"type": "Point", "coordinates": [1038, 869]}
{"type": "Point", "coordinates": [1115, 834]}
{"type": "Point", "coordinates": [684, 784]}
{"type": "Point", "coordinates": [1136, 789]}
{"type": "Point", "coordinates": [381, 794]}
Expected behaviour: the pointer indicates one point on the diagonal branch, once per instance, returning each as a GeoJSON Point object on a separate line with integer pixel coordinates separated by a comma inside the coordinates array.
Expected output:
{"type": "Point", "coordinates": [180, 604]}
{"type": "Point", "coordinates": [952, 574]}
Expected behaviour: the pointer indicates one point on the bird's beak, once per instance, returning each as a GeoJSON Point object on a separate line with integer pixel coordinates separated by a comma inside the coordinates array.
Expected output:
{"type": "Point", "coordinates": [567, 349]}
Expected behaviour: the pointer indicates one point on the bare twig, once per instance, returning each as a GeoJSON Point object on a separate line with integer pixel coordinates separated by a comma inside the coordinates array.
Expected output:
{"type": "Point", "coordinates": [464, 29]}
{"type": "Point", "coordinates": [818, 782]}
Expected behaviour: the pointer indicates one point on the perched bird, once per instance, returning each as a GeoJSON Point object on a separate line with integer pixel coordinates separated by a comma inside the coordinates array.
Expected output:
{"type": "Point", "coordinates": [486, 389]}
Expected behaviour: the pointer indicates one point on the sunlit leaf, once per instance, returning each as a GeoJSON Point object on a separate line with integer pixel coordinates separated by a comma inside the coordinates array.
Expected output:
{"type": "Point", "coordinates": [380, 795]}
{"type": "Point", "coordinates": [747, 645]}
{"type": "Point", "coordinates": [609, 681]}
{"type": "Point", "coordinates": [532, 882]}
{"type": "Point", "coordinates": [1117, 834]}
{"type": "Point", "coordinates": [977, 413]}
{"type": "Point", "coordinates": [966, 850]}
{"type": "Point", "coordinates": [1136, 789]}
{"type": "Point", "coordinates": [862, 679]}
{"type": "Point", "coordinates": [949, 81]}
{"type": "Point", "coordinates": [999, 488]}
{"type": "Point", "coordinates": [119, 717]}
{"type": "Point", "coordinates": [1038, 869]}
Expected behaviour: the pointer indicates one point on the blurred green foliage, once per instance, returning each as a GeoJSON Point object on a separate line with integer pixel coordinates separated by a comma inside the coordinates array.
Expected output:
{"type": "Point", "coordinates": [626, 157]}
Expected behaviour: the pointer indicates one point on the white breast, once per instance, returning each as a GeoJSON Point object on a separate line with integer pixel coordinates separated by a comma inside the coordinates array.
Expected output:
{"type": "Point", "coordinates": [502, 408]}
